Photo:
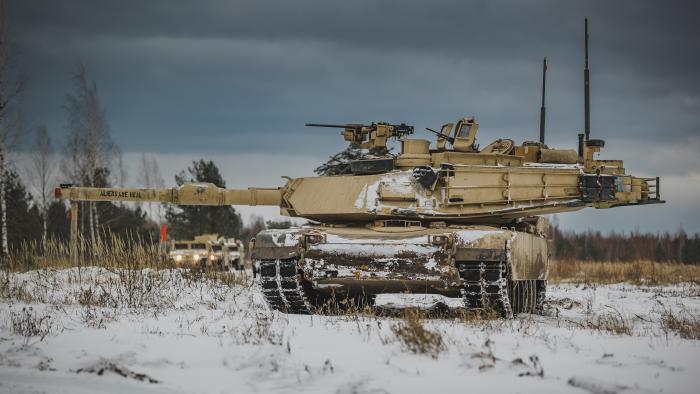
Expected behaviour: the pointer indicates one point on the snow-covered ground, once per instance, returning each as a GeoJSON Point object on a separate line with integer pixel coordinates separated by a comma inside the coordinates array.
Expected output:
{"type": "Point", "coordinates": [100, 331]}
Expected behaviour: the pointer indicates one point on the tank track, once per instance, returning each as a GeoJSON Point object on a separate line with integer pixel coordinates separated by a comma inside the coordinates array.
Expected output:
{"type": "Point", "coordinates": [282, 288]}
{"type": "Point", "coordinates": [485, 286]}
{"type": "Point", "coordinates": [527, 296]}
{"type": "Point", "coordinates": [541, 295]}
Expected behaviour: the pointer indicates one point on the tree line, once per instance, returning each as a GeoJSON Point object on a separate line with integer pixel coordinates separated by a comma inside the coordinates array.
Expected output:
{"type": "Point", "coordinates": [635, 246]}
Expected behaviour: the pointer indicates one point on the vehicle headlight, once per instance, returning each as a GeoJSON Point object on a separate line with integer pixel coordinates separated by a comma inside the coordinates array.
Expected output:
{"type": "Point", "coordinates": [178, 257]}
{"type": "Point", "coordinates": [195, 256]}
{"type": "Point", "coordinates": [212, 257]}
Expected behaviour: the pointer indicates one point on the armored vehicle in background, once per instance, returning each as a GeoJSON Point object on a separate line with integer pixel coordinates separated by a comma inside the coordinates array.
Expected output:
{"type": "Point", "coordinates": [192, 253]}
{"type": "Point", "coordinates": [228, 253]}
{"type": "Point", "coordinates": [455, 221]}
{"type": "Point", "coordinates": [207, 251]}
{"type": "Point", "coordinates": [234, 253]}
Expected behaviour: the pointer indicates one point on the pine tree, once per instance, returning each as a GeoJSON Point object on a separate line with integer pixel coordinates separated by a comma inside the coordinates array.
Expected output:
{"type": "Point", "coordinates": [58, 221]}
{"type": "Point", "coordinates": [23, 217]}
{"type": "Point", "coordinates": [255, 225]}
{"type": "Point", "coordinates": [187, 221]}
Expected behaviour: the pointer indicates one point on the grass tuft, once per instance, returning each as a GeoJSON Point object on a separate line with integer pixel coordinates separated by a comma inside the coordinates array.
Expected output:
{"type": "Point", "coordinates": [413, 335]}
{"type": "Point", "coordinates": [28, 323]}
{"type": "Point", "coordinates": [685, 324]}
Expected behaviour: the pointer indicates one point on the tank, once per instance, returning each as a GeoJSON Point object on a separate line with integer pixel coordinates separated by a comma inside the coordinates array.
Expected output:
{"type": "Point", "coordinates": [464, 224]}
{"type": "Point", "coordinates": [454, 221]}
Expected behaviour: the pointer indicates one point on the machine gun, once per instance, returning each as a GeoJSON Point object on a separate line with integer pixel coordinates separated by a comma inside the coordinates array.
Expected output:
{"type": "Point", "coordinates": [370, 136]}
{"type": "Point", "coordinates": [449, 139]}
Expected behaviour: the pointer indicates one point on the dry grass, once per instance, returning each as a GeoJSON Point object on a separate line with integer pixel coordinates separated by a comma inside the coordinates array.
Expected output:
{"type": "Point", "coordinates": [638, 272]}
{"type": "Point", "coordinates": [109, 251]}
{"type": "Point", "coordinates": [611, 322]}
{"type": "Point", "coordinates": [478, 315]}
{"type": "Point", "coordinates": [685, 324]}
{"type": "Point", "coordinates": [413, 335]}
{"type": "Point", "coordinates": [132, 274]}
{"type": "Point", "coordinates": [28, 323]}
{"type": "Point", "coordinates": [121, 255]}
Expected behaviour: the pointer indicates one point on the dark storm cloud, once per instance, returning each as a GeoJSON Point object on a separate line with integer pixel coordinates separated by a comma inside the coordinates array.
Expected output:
{"type": "Point", "coordinates": [226, 75]}
{"type": "Point", "coordinates": [236, 80]}
{"type": "Point", "coordinates": [446, 25]}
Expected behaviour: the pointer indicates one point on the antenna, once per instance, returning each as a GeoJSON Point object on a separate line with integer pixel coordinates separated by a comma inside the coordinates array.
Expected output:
{"type": "Point", "coordinates": [587, 88]}
{"type": "Point", "coordinates": [542, 108]}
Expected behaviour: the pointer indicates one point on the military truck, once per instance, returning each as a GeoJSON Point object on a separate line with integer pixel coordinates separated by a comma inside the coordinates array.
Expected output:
{"type": "Point", "coordinates": [234, 254]}
{"type": "Point", "coordinates": [208, 251]}
{"type": "Point", "coordinates": [192, 253]}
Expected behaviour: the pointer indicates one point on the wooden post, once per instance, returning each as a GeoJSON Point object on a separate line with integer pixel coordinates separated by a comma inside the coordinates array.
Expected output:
{"type": "Point", "coordinates": [74, 233]}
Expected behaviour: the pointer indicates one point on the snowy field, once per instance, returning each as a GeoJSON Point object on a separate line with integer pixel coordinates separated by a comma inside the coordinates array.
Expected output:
{"type": "Point", "coordinates": [67, 331]}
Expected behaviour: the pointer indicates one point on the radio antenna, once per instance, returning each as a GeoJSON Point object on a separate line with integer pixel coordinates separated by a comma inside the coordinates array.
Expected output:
{"type": "Point", "coordinates": [542, 108]}
{"type": "Point", "coordinates": [587, 88]}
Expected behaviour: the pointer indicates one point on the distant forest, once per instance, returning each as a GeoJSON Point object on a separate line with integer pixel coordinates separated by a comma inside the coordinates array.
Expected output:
{"type": "Point", "coordinates": [595, 246]}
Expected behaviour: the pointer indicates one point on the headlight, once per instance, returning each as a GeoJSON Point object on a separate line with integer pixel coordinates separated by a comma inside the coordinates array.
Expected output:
{"type": "Point", "coordinates": [195, 256]}
{"type": "Point", "coordinates": [178, 257]}
{"type": "Point", "coordinates": [212, 257]}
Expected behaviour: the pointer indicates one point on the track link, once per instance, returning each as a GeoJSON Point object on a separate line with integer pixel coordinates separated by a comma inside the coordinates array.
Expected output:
{"type": "Point", "coordinates": [485, 286]}
{"type": "Point", "coordinates": [527, 296]}
{"type": "Point", "coordinates": [281, 285]}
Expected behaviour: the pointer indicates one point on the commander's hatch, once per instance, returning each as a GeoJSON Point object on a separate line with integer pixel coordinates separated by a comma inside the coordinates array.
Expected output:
{"type": "Point", "coordinates": [465, 135]}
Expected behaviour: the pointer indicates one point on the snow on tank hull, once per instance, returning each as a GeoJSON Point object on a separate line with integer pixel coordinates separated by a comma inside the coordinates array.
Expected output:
{"type": "Point", "coordinates": [476, 267]}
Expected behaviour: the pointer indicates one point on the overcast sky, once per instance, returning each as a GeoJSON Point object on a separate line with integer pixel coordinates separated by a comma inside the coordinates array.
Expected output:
{"type": "Point", "coordinates": [235, 81]}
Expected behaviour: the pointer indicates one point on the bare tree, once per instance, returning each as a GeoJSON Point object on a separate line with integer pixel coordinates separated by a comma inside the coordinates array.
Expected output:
{"type": "Point", "coordinates": [151, 177]}
{"type": "Point", "coordinates": [91, 158]}
{"type": "Point", "coordinates": [255, 225]}
{"type": "Point", "coordinates": [10, 127]}
{"type": "Point", "coordinates": [43, 171]}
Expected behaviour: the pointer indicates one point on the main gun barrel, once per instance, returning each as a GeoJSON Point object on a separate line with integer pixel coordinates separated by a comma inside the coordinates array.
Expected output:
{"type": "Point", "coordinates": [187, 194]}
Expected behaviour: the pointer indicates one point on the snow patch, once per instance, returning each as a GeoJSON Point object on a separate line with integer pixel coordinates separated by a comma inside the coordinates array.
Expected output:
{"type": "Point", "coordinates": [469, 236]}
{"type": "Point", "coordinates": [595, 386]}
{"type": "Point", "coordinates": [361, 198]}
{"type": "Point", "coordinates": [286, 238]}
{"type": "Point", "coordinates": [208, 337]}
{"type": "Point", "coordinates": [337, 239]}
{"type": "Point", "coordinates": [423, 301]}
{"type": "Point", "coordinates": [399, 182]}
{"type": "Point", "coordinates": [374, 250]}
